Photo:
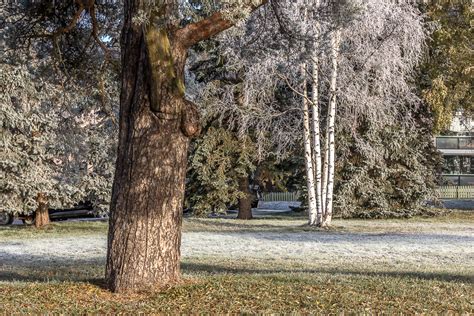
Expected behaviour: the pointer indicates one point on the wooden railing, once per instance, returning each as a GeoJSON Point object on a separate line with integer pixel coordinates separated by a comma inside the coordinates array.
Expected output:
{"type": "Point", "coordinates": [456, 192]}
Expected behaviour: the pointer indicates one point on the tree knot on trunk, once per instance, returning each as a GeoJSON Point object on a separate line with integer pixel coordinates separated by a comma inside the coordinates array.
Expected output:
{"type": "Point", "coordinates": [190, 119]}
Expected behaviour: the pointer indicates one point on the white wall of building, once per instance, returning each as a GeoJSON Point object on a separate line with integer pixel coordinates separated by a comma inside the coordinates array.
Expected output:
{"type": "Point", "coordinates": [462, 124]}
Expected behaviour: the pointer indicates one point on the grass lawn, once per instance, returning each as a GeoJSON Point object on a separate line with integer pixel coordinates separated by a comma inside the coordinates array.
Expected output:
{"type": "Point", "coordinates": [223, 284]}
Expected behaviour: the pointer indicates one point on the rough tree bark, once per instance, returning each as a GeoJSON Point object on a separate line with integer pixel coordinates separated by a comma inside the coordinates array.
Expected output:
{"type": "Point", "coordinates": [145, 221]}
{"type": "Point", "coordinates": [245, 203]}
{"type": "Point", "coordinates": [42, 214]}
{"type": "Point", "coordinates": [155, 125]}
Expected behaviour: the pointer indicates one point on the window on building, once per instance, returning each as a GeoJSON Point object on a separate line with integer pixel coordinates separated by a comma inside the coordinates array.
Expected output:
{"type": "Point", "coordinates": [458, 165]}
{"type": "Point", "coordinates": [450, 180]}
{"type": "Point", "coordinates": [466, 180]}
{"type": "Point", "coordinates": [465, 165]}
{"type": "Point", "coordinates": [466, 143]}
{"type": "Point", "coordinates": [451, 165]}
{"type": "Point", "coordinates": [447, 142]}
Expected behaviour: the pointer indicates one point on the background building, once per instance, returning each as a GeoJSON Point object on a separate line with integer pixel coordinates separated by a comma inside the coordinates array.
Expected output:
{"type": "Point", "coordinates": [457, 148]}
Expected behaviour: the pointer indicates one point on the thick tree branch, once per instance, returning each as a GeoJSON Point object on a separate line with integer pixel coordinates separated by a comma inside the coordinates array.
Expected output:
{"type": "Point", "coordinates": [195, 32]}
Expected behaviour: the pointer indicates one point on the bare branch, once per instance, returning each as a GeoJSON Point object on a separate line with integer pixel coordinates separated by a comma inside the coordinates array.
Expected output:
{"type": "Point", "coordinates": [295, 90]}
{"type": "Point", "coordinates": [95, 28]}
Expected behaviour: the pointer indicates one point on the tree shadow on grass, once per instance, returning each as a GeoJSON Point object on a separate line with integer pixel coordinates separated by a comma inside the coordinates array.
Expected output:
{"type": "Point", "coordinates": [34, 268]}
{"type": "Point", "coordinates": [12, 276]}
{"type": "Point", "coordinates": [391, 238]}
{"type": "Point", "coordinates": [216, 269]}
{"type": "Point", "coordinates": [232, 225]}
{"type": "Point", "coordinates": [282, 232]}
{"type": "Point", "coordinates": [78, 272]}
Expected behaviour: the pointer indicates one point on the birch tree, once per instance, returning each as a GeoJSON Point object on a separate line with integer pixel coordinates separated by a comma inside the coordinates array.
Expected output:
{"type": "Point", "coordinates": [377, 29]}
{"type": "Point", "coordinates": [330, 148]}
{"type": "Point", "coordinates": [343, 62]}
{"type": "Point", "coordinates": [314, 199]}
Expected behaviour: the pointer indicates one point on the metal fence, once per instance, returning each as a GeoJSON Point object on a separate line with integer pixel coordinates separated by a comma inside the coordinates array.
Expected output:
{"type": "Point", "coordinates": [456, 192]}
{"type": "Point", "coordinates": [280, 196]}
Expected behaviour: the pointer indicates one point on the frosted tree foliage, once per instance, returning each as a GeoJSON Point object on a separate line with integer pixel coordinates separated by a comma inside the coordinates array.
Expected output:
{"type": "Point", "coordinates": [56, 141]}
{"type": "Point", "coordinates": [332, 65]}
{"type": "Point", "coordinates": [217, 163]}
{"type": "Point", "coordinates": [58, 122]}
{"type": "Point", "coordinates": [27, 156]}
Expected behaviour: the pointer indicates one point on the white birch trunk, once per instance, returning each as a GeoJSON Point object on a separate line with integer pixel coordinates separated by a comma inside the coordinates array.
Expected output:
{"type": "Point", "coordinates": [317, 147]}
{"type": "Point", "coordinates": [307, 152]}
{"type": "Point", "coordinates": [331, 153]}
{"type": "Point", "coordinates": [316, 130]}
{"type": "Point", "coordinates": [324, 176]}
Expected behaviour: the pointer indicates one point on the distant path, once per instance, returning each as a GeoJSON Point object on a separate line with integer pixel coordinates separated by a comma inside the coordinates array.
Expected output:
{"type": "Point", "coordinates": [467, 205]}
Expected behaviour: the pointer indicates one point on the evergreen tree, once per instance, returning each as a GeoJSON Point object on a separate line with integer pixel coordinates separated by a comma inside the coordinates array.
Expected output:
{"type": "Point", "coordinates": [219, 163]}
{"type": "Point", "coordinates": [388, 172]}
{"type": "Point", "coordinates": [58, 148]}
{"type": "Point", "coordinates": [27, 170]}
{"type": "Point", "coordinates": [57, 120]}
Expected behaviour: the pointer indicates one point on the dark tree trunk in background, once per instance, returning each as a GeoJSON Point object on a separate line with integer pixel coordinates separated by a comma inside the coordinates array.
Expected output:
{"type": "Point", "coordinates": [42, 214]}
{"type": "Point", "coordinates": [245, 203]}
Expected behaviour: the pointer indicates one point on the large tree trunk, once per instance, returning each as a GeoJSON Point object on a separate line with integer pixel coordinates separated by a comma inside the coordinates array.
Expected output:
{"type": "Point", "coordinates": [144, 237]}
{"type": "Point", "coordinates": [245, 203]}
{"type": "Point", "coordinates": [42, 214]}
{"type": "Point", "coordinates": [155, 122]}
